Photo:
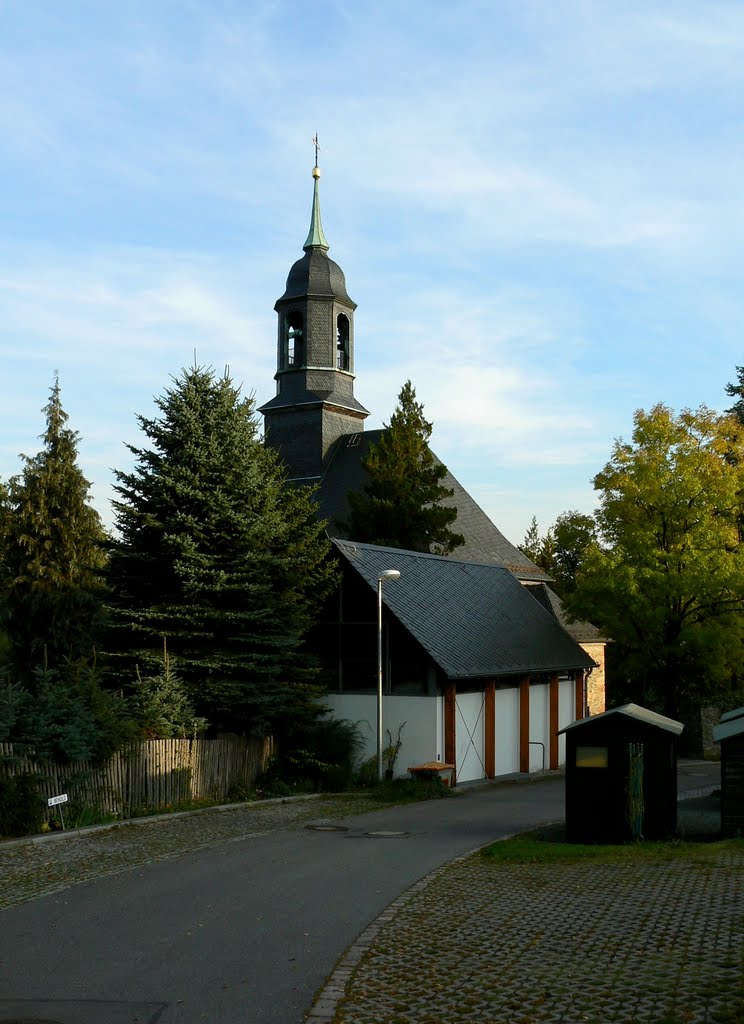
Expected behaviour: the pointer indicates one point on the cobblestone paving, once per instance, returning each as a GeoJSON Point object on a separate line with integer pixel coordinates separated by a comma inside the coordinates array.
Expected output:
{"type": "Point", "coordinates": [31, 869]}
{"type": "Point", "coordinates": [585, 943]}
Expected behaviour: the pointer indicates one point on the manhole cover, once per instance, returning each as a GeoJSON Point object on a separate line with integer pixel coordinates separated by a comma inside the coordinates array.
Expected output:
{"type": "Point", "coordinates": [387, 835]}
{"type": "Point", "coordinates": [318, 828]}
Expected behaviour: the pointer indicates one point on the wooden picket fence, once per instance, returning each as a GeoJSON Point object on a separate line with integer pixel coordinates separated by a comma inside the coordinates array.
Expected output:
{"type": "Point", "coordinates": [150, 775]}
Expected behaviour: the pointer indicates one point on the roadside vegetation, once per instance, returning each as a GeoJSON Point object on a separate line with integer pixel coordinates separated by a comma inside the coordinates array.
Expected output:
{"type": "Point", "coordinates": [538, 848]}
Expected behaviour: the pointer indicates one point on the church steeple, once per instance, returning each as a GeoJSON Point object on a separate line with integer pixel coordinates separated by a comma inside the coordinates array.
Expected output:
{"type": "Point", "coordinates": [314, 403]}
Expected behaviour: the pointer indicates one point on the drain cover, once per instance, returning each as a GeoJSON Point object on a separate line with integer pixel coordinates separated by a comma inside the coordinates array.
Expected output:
{"type": "Point", "coordinates": [387, 835]}
{"type": "Point", "coordinates": [318, 828]}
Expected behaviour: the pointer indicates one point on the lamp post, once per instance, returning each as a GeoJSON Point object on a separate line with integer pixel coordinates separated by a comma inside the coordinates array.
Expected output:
{"type": "Point", "coordinates": [386, 574]}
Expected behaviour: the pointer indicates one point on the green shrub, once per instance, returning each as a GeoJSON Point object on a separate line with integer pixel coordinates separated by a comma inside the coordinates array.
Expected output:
{"type": "Point", "coordinates": [238, 792]}
{"type": "Point", "coordinates": [315, 755]}
{"type": "Point", "coordinates": [21, 805]}
{"type": "Point", "coordinates": [410, 789]}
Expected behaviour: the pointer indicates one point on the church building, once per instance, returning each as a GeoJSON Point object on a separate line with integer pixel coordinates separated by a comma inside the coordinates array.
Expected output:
{"type": "Point", "coordinates": [481, 668]}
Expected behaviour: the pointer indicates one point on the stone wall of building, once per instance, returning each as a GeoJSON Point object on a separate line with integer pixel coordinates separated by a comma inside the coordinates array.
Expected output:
{"type": "Point", "coordinates": [595, 685]}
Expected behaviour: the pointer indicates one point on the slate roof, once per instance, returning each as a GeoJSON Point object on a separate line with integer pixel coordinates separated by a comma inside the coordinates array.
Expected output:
{"type": "Point", "coordinates": [484, 542]}
{"type": "Point", "coordinates": [582, 632]}
{"type": "Point", "coordinates": [317, 275]}
{"type": "Point", "coordinates": [632, 711]}
{"type": "Point", "coordinates": [475, 620]}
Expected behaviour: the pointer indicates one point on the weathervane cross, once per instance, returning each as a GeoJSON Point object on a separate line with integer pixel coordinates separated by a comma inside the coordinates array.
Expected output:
{"type": "Point", "coordinates": [317, 147]}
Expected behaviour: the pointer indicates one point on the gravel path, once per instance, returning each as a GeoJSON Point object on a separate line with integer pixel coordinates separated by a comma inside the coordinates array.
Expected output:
{"type": "Point", "coordinates": [31, 868]}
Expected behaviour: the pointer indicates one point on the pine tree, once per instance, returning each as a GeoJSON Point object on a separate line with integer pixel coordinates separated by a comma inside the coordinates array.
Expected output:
{"type": "Point", "coordinates": [402, 505]}
{"type": "Point", "coordinates": [51, 554]}
{"type": "Point", "coordinates": [217, 555]}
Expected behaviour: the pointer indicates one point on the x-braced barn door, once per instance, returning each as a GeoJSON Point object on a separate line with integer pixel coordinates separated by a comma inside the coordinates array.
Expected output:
{"type": "Point", "coordinates": [470, 736]}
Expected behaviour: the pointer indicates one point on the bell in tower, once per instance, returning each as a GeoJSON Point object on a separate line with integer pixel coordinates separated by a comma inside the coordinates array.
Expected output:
{"type": "Point", "coordinates": [314, 403]}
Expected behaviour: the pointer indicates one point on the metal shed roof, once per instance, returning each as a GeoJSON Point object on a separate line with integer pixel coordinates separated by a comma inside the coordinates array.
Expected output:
{"type": "Point", "coordinates": [475, 620]}
{"type": "Point", "coordinates": [725, 730]}
{"type": "Point", "coordinates": [729, 715]}
{"type": "Point", "coordinates": [632, 711]}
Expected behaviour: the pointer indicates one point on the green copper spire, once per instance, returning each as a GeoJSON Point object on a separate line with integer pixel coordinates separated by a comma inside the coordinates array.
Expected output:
{"type": "Point", "coordinates": [315, 237]}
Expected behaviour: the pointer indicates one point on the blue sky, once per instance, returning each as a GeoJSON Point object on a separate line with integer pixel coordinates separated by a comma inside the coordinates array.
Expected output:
{"type": "Point", "coordinates": [538, 207]}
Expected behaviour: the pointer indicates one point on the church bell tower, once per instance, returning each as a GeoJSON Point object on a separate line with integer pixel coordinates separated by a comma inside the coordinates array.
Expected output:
{"type": "Point", "coordinates": [314, 403]}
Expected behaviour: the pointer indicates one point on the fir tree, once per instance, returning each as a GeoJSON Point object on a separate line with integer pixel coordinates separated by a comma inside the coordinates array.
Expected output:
{"type": "Point", "coordinates": [51, 554]}
{"type": "Point", "coordinates": [402, 505]}
{"type": "Point", "coordinates": [218, 556]}
{"type": "Point", "coordinates": [164, 708]}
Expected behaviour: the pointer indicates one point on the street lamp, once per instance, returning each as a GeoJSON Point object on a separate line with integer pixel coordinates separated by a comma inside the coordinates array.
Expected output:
{"type": "Point", "coordinates": [386, 574]}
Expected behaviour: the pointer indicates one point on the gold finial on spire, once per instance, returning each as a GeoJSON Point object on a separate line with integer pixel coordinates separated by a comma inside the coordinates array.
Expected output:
{"type": "Point", "coordinates": [316, 169]}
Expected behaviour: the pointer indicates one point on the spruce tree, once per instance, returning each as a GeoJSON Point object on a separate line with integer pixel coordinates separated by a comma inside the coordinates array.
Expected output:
{"type": "Point", "coordinates": [402, 504]}
{"type": "Point", "coordinates": [219, 557]}
{"type": "Point", "coordinates": [51, 554]}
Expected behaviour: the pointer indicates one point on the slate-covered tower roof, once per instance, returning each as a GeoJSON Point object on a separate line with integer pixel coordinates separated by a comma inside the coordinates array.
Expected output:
{"type": "Point", "coordinates": [314, 403]}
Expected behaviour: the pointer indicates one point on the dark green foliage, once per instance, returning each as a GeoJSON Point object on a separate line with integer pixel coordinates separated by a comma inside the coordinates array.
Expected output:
{"type": "Point", "coordinates": [737, 391]}
{"type": "Point", "coordinates": [162, 705]}
{"type": "Point", "coordinates": [316, 754]}
{"type": "Point", "coordinates": [564, 548]}
{"type": "Point", "coordinates": [408, 790]}
{"type": "Point", "coordinates": [402, 505]}
{"type": "Point", "coordinates": [13, 703]}
{"type": "Point", "coordinates": [218, 556]}
{"type": "Point", "coordinates": [64, 716]}
{"type": "Point", "coordinates": [21, 805]}
{"type": "Point", "coordinates": [51, 554]}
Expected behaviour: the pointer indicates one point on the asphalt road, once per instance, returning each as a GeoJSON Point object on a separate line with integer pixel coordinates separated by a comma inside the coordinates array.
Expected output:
{"type": "Point", "coordinates": [243, 932]}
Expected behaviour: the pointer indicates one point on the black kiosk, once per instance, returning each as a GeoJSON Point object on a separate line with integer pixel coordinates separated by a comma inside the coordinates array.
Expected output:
{"type": "Point", "coordinates": [621, 776]}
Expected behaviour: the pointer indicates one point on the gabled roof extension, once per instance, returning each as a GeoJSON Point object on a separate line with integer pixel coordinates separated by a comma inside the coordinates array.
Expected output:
{"type": "Point", "coordinates": [484, 542]}
{"type": "Point", "coordinates": [475, 620]}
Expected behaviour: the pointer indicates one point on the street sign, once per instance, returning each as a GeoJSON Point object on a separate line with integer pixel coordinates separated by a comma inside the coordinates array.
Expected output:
{"type": "Point", "coordinates": [53, 800]}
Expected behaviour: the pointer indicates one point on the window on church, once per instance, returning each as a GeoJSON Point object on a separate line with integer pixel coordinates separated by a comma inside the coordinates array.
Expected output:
{"type": "Point", "coordinates": [342, 342]}
{"type": "Point", "coordinates": [294, 354]}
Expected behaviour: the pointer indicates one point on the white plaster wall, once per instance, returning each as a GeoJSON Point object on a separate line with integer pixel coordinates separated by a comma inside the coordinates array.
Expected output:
{"type": "Point", "coordinates": [470, 736]}
{"type": "Point", "coordinates": [507, 731]}
{"type": "Point", "coordinates": [566, 713]}
{"type": "Point", "coordinates": [539, 725]}
{"type": "Point", "coordinates": [420, 735]}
